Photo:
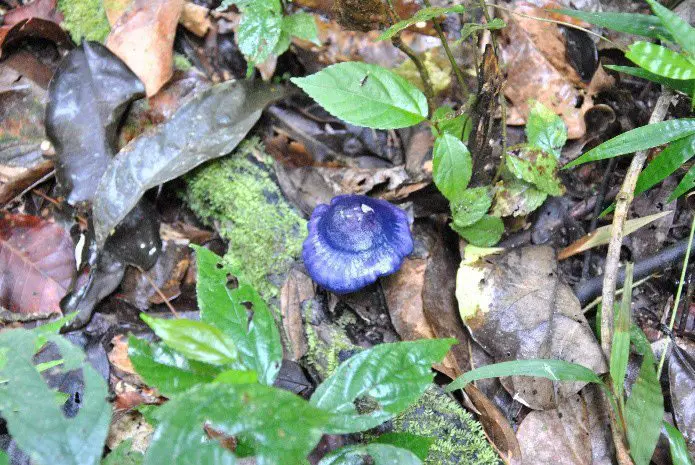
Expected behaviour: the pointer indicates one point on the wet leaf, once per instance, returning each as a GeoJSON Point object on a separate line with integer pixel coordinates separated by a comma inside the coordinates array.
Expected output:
{"type": "Point", "coordinates": [517, 198]}
{"type": "Point", "coordinates": [666, 163]}
{"type": "Point", "coordinates": [378, 383]}
{"type": "Point", "coordinates": [687, 87]}
{"type": "Point", "coordinates": [37, 262]}
{"type": "Point", "coordinates": [629, 23]}
{"type": "Point", "coordinates": [25, 397]}
{"type": "Point", "coordinates": [641, 138]}
{"type": "Point", "coordinates": [195, 340]}
{"type": "Point", "coordinates": [208, 126]}
{"type": "Point", "coordinates": [681, 32]}
{"type": "Point", "coordinates": [681, 372]}
{"type": "Point", "coordinates": [260, 417]}
{"type": "Point", "coordinates": [418, 445]}
{"type": "Point", "coordinates": [537, 168]}
{"type": "Point", "coordinates": [166, 369]}
{"type": "Point", "coordinates": [239, 312]}
{"type": "Point", "coordinates": [516, 308]}
{"type": "Point", "coordinates": [375, 454]}
{"type": "Point", "coordinates": [424, 14]}
{"type": "Point", "coordinates": [677, 446]}
{"type": "Point", "coordinates": [88, 95]}
{"type": "Point", "coordinates": [143, 37]}
{"type": "Point", "coordinates": [452, 166]}
{"type": "Point", "coordinates": [661, 61]}
{"type": "Point", "coordinates": [470, 206]}
{"type": "Point", "coordinates": [545, 130]}
{"type": "Point", "coordinates": [366, 95]}
{"type": "Point", "coordinates": [486, 232]}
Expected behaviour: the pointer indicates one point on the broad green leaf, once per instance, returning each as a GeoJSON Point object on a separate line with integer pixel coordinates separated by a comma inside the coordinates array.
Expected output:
{"type": "Point", "coordinates": [486, 232]}
{"type": "Point", "coordinates": [123, 455]}
{"type": "Point", "coordinates": [259, 32]}
{"type": "Point", "coordinates": [418, 445]}
{"type": "Point", "coordinates": [303, 26]}
{"type": "Point", "coordinates": [470, 28]}
{"type": "Point", "coordinates": [661, 60]}
{"type": "Point", "coordinates": [366, 95]}
{"type": "Point", "coordinates": [425, 14]}
{"type": "Point", "coordinates": [686, 184]}
{"type": "Point", "coordinates": [240, 313]}
{"type": "Point", "coordinates": [275, 426]}
{"type": "Point", "coordinates": [447, 122]}
{"type": "Point", "coordinates": [378, 383]}
{"type": "Point", "coordinates": [629, 23]}
{"type": "Point", "coordinates": [687, 87]}
{"type": "Point", "coordinates": [452, 166]}
{"type": "Point", "coordinates": [194, 339]}
{"type": "Point", "coordinates": [373, 454]}
{"type": "Point", "coordinates": [516, 198]}
{"type": "Point", "coordinates": [470, 206]}
{"type": "Point", "coordinates": [666, 163]}
{"type": "Point", "coordinates": [641, 138]}
{"type": "Point", "coordinates": [167, 370]}
{"type": "Point", "coordinates": [536, 167]}
{"type": "Point", "coordinates": [644, 409]}
{"type": "Point", "coordinates": [620, 349]}
{"type": "Point", "coordinates": [4, 459]}
{"type": "Point", "coordinates": [682, 32]}
{"type": "Point", "coordinates": [545, 130]}
{"type": "Point", "coordinates": [34, 419]}
{"type": "Point", "coordinates": [677, 445]}
{"type": "Point", "coordinates": [237, 377]}
{"type": "Point", "coordinates": [554, 370]}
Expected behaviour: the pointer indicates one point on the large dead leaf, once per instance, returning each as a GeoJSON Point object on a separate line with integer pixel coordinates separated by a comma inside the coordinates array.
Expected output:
{"type": "Point", "coordinates": [37, 263]}
{"type": "Point", "coordinates": [516, 308]}
{"type": "Point", "coordinates": [143, 37]}
{"type": "Point", "coordinates": [682, 381]}
{"type": "Point", "coordinates": [37, 19]}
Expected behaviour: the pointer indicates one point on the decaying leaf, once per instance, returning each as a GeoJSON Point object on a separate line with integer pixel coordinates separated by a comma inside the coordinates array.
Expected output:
{"type": "Point", "coordinates": [682, 381]}
{"type": "Point", "coordinates": [37, 19]}
{"type": "Point", "coordinates": [37, 262]}
{"type": "Point", "coordinates": [143, 37]}
{"type": "Point", "coordinates": [516, 308]}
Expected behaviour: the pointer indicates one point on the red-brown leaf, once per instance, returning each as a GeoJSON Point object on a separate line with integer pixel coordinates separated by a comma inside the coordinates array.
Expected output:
{"type": "Point", "coordinates": [37, 263]}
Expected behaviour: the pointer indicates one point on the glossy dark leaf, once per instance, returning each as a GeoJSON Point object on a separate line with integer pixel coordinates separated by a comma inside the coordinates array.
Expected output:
{"type": "Point", "coordinates": [240, 313]}
{"type": "Point", "coordinates": [88, 95]}
{"type": "Point", "coordinates": [208, 126]}
{"type": "Point", "coordinates": [378, 383]}
{"type": "Point", "coordinates": [374, 454]}
{"type": "Point", "coordinates": [666, 163]}
{"type": "Point", "coordinates": [275, 426]}
{"type": "Point", "coordinates": [37, 263]}
{"type": "Point", "coordinates": [686, 184]}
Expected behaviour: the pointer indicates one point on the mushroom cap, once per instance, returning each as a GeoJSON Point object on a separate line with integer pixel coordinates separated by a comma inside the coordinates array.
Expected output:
{"type": "Point", "coordinates": [355, 240]}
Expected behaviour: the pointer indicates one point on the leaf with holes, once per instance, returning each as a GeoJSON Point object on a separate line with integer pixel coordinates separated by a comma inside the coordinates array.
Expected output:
{"type": "Point", "coordinates": [536, 167]}
{"type": "Point", "coordinates": [661, 61]}
{"type": "Point", "coordinates": [37, 262]}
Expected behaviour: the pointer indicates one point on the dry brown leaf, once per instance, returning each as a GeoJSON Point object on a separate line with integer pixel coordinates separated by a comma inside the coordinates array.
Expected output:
{"type": "Point", "coordinates": [196, 19]}
{"type": "Point", "coordinates": [143, 37]}
{"type": "Point", "coordinates": [298, 289]}
{"type": "Point", "coordinates": [118, 356]}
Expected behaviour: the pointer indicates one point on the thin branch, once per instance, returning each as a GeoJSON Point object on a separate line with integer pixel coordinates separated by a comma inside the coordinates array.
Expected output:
{"type": "Point", "coordinates": [159, 292]}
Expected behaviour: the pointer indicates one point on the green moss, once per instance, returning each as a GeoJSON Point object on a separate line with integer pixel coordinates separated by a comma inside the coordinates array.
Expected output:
{"type": "Point", "coordinates": [238, 196]}
{"type": "Point", "coordinates": [458, 437]}
{"type": "Point", "coordinates": [323, 353]}
{"type": "Point", "coordinates": [181, 62]}
{"type": "Point", "coordinates": [85, 19]}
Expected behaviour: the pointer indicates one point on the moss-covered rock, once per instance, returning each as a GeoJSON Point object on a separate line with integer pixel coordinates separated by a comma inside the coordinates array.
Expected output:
{"type": "Point", "coordinates": [85, 19]}
{"type": "Point", "coordinates": [238, 196]}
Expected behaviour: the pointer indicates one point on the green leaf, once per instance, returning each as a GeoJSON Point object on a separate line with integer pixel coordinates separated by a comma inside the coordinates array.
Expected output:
{"type": "Point", "coordinates": [486, 232]}
{"type": "Point", "coordinates": [545, 130]}
{"type": "Point", "coordinates": [123, 455]}
{"type": "Point", "coordinates": [536, 167]}
{"type": "Point", "coordinates": [425, 14]}
{"type": "Point", "coordinates": [666, 163]}
{"type": "Point", "coordinates": [167, 370]}
{"type": "Point", "coordinates": [303, 26]}
{"type": "Point", "coordinates": [644, 409]}
{"type": "Point", "coordinates": [687, 87]}
{"type": "Point", "coordinates": [641, 138]}
{"type": "Point", "coordinates": [194, 339]}
{"type": "Point", "coordinates": [240, 313]}
{"type": "Point", "coordinates": [373, 454]}
{"type": "Point", "coordinates": [470, 206]}
{"type": "Point", "coordinates": [378, 383]}
{"type": "Point", "coordinates": [418, 445]}
{"type": "Point", "coordinates": [275, 426]}
{"type": "Point", "coordinates": [516, 198]}
{"type": "Point", "coordinates": [620, 349]}
{"type": "Point", "coordinates": [452, 166]}
{"type": "Point", "coordinates": [448, 123]}
{"type": "Point", "coordinates": [259, 32]}
{"type": "Point", "coordinates": [629, 23]}
{"type": "Point", "coordinates": [4, 459]}
{"type": "Point", "coordinates": [682, 32]}
{"type": "Point", "coordinates": [677, 445]}
{"type": "Point", "coordinates": [686, 184]}
{"type": "Point", "coordinates": [366, 95]}
{"type": "Point", "coordinates": [237, 377]}
{"type": "Point", "coordinates": [554, 370]}
{"type": "Point", "coordinates": [34, 419]}
{"type": "Point", "coordinates": [470, 28]}
{"type": "Point", "coordinates": [661, 61]}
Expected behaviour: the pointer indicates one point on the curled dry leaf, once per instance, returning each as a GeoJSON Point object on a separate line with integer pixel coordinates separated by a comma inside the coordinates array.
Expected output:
{"type": "Point", "coordinates": [516, 308]}
{"type": "Point", "coordinates": [143, 37]}
{"type": "Point", "coordinates": [40, 18]}
{"type": "Point", "coordinates": [37, 263]}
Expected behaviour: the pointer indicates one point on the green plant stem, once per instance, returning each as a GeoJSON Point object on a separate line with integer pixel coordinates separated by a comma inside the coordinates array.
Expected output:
{"type": "Point", "coordinates": [457, 71]}
{"type": "Point", "coordinates": [677, 300]}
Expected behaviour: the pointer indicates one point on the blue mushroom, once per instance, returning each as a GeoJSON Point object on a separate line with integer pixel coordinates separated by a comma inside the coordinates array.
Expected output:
{"type": "Point", "coordinates": [355, 240]}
